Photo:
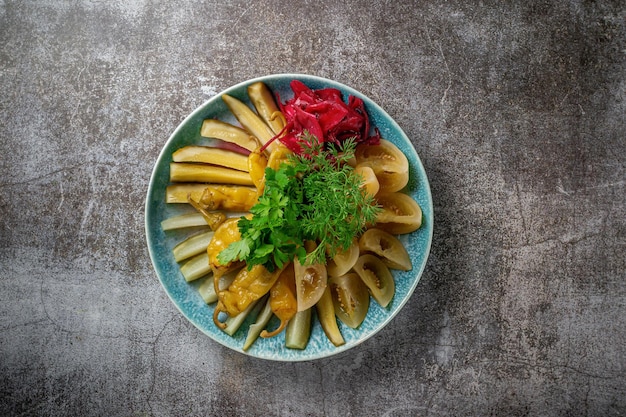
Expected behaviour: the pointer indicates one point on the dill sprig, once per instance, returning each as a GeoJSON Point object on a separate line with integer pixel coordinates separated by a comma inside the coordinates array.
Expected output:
{"type": "Point", "coordinates": [336, 209]}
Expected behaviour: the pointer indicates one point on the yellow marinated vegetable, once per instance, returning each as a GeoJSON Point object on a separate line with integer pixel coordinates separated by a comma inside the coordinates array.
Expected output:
{"type": "Point", "coordinates": [257, 162]}
{"type": "Point", "coordinates": [283, 300]}
{"type": "Point", "coordinates": [230, 198]}
{"type": "Point", "coordinates": [278, 156]}
{"type": "Point", "coordinates": [205, 173]}
{"type": "Point", "coordinates": [370, 181]}
{"type": "Point", "coordinates": [249, 285]}
{"type": "Point", "coordinates": [225, 234]}
{"type": "Point", "coordinates": [265, 105]}
{"type": "Point", "coordinates": [213, 128]}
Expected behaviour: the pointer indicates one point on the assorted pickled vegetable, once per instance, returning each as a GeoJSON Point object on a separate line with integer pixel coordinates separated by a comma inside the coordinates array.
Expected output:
{"type": "Point", "coordinates": [298, 209]}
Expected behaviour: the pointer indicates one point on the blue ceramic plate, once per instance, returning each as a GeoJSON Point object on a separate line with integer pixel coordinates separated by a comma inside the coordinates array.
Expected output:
{"type": "Point", "coordinates": [185, 295]}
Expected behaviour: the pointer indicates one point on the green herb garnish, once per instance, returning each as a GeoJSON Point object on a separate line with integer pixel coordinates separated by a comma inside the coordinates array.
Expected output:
{"type": "Point", "coordinates": [315, 196]}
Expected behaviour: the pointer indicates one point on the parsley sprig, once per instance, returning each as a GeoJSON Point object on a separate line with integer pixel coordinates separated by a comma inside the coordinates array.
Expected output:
{"type": "Point", "coordinates": [315, 196]}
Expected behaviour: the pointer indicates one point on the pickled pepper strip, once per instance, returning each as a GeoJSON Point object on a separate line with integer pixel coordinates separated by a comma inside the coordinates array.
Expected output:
{"type": "Point", "coordinates": [283, 300]}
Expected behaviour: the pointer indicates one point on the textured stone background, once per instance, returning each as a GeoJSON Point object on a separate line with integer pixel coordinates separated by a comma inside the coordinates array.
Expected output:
{"type": "Point", "coordinates": [516, 109]}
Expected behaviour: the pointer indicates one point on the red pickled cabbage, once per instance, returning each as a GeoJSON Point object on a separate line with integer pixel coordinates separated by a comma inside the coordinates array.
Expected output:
{"type": "Point", "coordinates": [324, 114]}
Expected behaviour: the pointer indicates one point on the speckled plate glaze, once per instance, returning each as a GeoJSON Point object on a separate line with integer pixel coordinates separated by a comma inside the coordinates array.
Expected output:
{"type": "Point", "coordinates": [185, 295]}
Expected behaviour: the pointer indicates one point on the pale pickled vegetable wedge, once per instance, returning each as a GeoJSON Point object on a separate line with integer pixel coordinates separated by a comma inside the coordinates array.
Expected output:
{"type": "Point", "coordinates": [207, 290]}
{"type": "Point", "coordinates": [214, 128]}
{"type": "Point", "coordinates": [328, 319]}
{"type": "Point", "coordinates": [400, 214]}
{"type": "Point", "coordinates": [311, 280]}
{"type": "Point", "coordinates": [377, 277]}
{"type": "Point", "coordinates": [370, 182]}
{"type": "Point", "coordinates": [210, 155]}
{"type": "Point", "coordinates": [234, 323]}
{"type": "Point", "coordinates": [196, 267]}
{"type": "Point", "coordinates": [343, 261]}
{"type": "Point", "coordinates": [298, 331]}
{"type": "Point", "coordinates": [249, 119]}
{"type": "Point", "coordinates": [188, 172]}
{"type": "Point", "coordinates": [387, 247]}
{"type": "Point", "coordinates": [182, 221]}
{"type": "Point", "coordinates": [351, 299]}
{"type": "Point", "coordinates": [387, 161]}
{"type": "Point", "coordinates": [192, 246]}
{"type": "Point", "coordinates": [265, 105]}
{"type": "Point", "coordinates": [255, 329]}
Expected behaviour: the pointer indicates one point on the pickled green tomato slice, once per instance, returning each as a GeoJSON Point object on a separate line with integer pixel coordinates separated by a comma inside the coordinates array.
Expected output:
{"type": "Point", "coordinates": [370, 182]}
{"type": "Point", "coordinates": [400, 214]}
{"type": "Point", "coordinates": [377, 277]}
{"type": "Point", "coordinates": [389, 164]}
{"type": "Point", "coordinates": [351, 298]}
{"type": "Point", "coordinates": [311, 280]}
{"type": "Point", "coordinates": [343, 261]}
{"type": "Point", "coordinates": [387, 247]}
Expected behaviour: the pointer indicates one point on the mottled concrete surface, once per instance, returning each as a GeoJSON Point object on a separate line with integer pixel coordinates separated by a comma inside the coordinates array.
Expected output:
{"type": "Point", "coordinates": [516, 109]}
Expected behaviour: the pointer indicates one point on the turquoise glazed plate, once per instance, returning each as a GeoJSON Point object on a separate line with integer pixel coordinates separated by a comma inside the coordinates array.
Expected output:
{"type": "Point", "coordinates": [185, 295]}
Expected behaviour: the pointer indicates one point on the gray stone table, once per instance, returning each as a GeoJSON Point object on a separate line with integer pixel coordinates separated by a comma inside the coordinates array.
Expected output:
{"type": "Point", "coordinates": [516, 109]}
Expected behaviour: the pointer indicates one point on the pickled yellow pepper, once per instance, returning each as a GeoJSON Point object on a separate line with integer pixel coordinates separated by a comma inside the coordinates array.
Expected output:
{"type": "Point", "coordinates": [283, 300]}
{"type": "Point", "coordinates": [225, 234]}
{"type": "Point", "coordinates": [249, 285]}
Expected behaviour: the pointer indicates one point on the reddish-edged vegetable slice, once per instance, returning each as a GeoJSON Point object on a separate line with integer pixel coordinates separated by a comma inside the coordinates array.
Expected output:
{"type": "Point", "coordinates": [214, 128]}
